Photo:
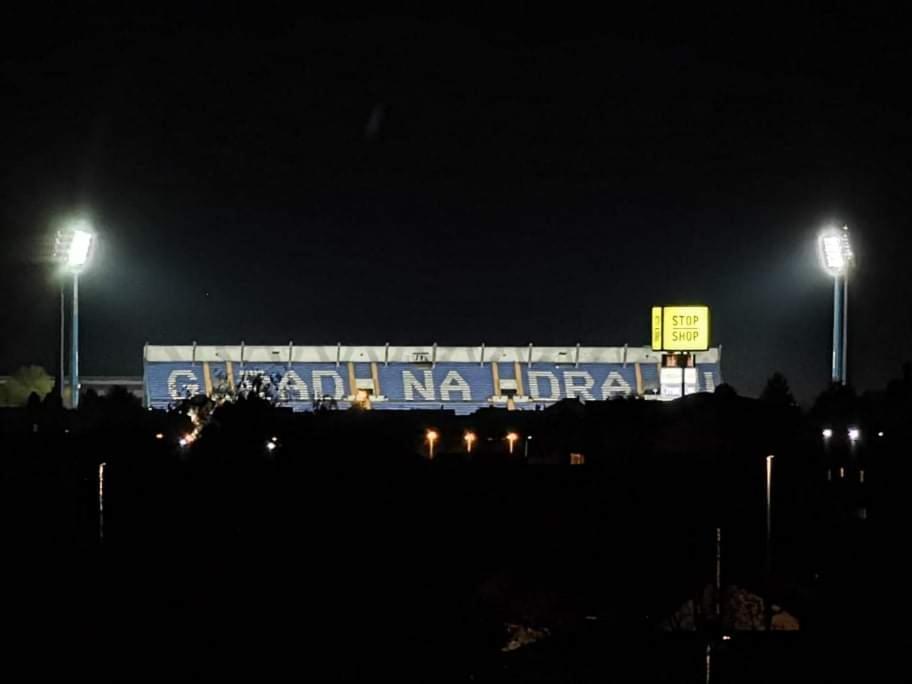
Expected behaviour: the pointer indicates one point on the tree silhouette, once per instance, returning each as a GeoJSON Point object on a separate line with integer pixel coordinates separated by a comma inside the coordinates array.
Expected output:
{"type": "Point", "coordinates": [838, 402]}
{"type": "Point", "coordinates": [777, 392]}
{"type": "Point", "coordinates": [726, 391]}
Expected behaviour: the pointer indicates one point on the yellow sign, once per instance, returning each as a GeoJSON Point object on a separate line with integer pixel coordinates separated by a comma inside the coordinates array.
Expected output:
{"type": "Point", "coordinates": [682, 328]}
{"type": "Point", "coordinates": [657, 328]}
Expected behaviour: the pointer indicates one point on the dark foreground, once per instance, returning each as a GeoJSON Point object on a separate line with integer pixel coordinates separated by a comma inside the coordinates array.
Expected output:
{"type": "Point", "coordinates": [212, 563]}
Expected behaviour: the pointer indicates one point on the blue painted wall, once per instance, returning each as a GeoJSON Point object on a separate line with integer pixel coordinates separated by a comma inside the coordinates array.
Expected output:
{"type": "Point", "coordinates": [464, 387]}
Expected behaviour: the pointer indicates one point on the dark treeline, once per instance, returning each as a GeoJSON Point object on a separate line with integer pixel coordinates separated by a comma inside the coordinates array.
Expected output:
{"type": "Point", "coordinates": [345, 546]}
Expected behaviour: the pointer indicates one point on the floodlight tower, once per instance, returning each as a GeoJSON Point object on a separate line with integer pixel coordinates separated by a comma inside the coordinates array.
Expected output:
{"type": "Point", "coordinates": [836, 258]}
{"type": "Point", "coordinates": [74, 248]}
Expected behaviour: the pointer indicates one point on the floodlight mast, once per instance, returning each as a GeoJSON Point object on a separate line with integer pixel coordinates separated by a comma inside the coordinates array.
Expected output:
{"type": "Point", "coordinates": [836, 258]}
{"type": "Point", "coordinates": [74, 248]}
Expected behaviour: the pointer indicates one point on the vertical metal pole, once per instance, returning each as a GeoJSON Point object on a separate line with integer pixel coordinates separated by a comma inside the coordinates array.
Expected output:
{"type": "Point", "coordinates": [74, 347]}
{"type": "Point", "coordinates": [845, 324]}
{"type": "Point", "coordinates": [718, 602]}
{"type": "Point", "coordinates": [62, 374]}
{"type": "Point", "coordinates": [101, 467]}
{"type": "Point", "coordinates": [767, 603]}
{"type": "Point", "coordinates": [708, 662]}
{"type": "Point", "coordinates": [683, 359]}
{"type": "Point", "coordinates": [837, 354]}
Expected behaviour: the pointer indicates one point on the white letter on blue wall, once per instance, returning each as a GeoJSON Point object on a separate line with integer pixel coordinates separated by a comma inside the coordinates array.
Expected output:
{"type": "Point", "coordinates": [191, 385]}
{"type": "Point", "coordinates": [410, 384]}
{"type": "Point", "coordinates": [709, 384]}
{"type": "Point", "coordinates": [554, 385]}
{"type": "Point", "coordinates": [615, 385]}
{"type": "Point", "coordinates": [290, 383]}
{"type": "Point", "coordinates": [454, 382]}
{"type": "Point", "coordinates": [338, 388]}
{"type": "Point", "coordinates": [578, 390]}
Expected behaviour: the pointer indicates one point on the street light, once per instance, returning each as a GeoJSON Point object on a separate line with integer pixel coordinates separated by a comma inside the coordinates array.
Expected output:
{"type": "Point", "coordinates": [511, 438]}
{"type": "Point", "coordinates": [431, 439]}
{"type": "Point", "coordinates": [469, 440]}
{"type": "Point", "coordinates": [74, 249]}
{"type": "Point", "coordinates": [836, 258]}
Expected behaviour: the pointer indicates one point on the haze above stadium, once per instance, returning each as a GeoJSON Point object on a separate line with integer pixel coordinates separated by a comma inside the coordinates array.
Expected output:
{"type": "Point", "coordinates": [415, 179]}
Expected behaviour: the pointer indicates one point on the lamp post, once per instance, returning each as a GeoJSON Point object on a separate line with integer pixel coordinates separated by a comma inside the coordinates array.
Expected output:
{"type": "Point", "coordinates": [61, 377]}
{"type": "Point", "coordinates": [431, 436]}
{"type": "Point", "coordinates": [74, 247]}
{"type": "Point", "coordinates": [768, 603]}
{"type": "Point", "coordinates": [836, 258]}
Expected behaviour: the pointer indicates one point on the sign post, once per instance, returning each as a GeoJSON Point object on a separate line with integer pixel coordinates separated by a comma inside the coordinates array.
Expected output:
{"type": "Point", "coordinates": [680, 329]}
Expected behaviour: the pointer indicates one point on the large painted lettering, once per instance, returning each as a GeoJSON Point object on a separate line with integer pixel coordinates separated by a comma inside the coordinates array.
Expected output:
{"type": "Point", "coordinates": [181, 383]}
{"type": "Point", "coordinates": [534, 385]}
{"type": "Point", "coordinates": [338, 387]}
{"type": "Point", "coordinates": [454, 383]}
{"type": "Point", "coordinates": [462, 386]}
{"type": "Point", "coordinates": [293, 387]}
{"type": "Point", "coordinates": [411, 385]}
{"type": "Point", "coordinates": [578, 384]}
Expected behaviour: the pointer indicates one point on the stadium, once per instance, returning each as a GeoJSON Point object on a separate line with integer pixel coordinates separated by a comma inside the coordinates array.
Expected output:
{"type": "Point", "coordinates": [462, 379]}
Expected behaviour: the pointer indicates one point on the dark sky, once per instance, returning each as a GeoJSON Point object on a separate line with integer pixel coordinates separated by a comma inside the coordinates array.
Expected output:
{"type": "Point", "coordinates": [504, 179]}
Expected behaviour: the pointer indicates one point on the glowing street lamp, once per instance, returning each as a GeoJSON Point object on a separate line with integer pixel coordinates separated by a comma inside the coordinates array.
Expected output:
{"type": "Point", "coordinates": [74, 249]}
{"type": "Point", "coordinates": [432, 438]}
{"type": "Point", "coordinates": [469, 438]}
{"type": "Point", "coordinates": [836, 258]}
{"type": "Point", "coordinates": [511, 439]}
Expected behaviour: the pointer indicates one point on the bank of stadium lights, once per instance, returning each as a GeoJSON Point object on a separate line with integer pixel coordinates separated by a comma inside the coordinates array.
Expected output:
{"type": "Point", "coordinates": [80, 246]}
{"type": "Point", "coordinates": [73, 248]}
{"type": "Point", "coordinates": [837, 258]}
{"type": "Point", "coordinates": [835, 251]}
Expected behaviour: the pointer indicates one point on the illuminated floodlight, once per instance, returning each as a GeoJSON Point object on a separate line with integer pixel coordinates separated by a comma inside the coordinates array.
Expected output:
{"type": "Point", "coordinates": [834, 250]}
{"type": "Point", "coordinates": [270, 445]}
{"type": "Point", "coordinates": [880, 434]}
{"type": "Point", "coordinates": [73, 249]}
{"type": "Point", "coordinates": [827, 433]}
{"type": "Point", "coordinates": [74, 244]}
{"type": "Point", "coordinates": [854, 434]}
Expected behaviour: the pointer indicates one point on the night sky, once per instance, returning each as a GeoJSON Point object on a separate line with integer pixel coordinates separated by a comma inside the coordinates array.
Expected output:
{"type": "Point", "coordinates": [499, 179]}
